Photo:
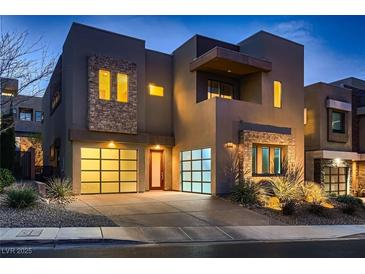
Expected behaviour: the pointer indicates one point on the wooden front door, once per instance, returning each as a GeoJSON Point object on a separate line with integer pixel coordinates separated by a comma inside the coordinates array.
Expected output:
{"type": "Point", "coordinates": [156, 170]}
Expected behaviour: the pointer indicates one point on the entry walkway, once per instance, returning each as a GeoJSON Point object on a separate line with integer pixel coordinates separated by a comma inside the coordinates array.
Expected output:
{"type": "Point", "coordinates": [168, 209]}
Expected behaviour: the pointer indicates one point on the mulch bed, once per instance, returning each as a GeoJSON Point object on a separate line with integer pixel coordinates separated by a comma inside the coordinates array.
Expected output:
{"type": "Point", "coordinates": [47, 215]}
{"type": "Point", "coordinates": [303, 216]}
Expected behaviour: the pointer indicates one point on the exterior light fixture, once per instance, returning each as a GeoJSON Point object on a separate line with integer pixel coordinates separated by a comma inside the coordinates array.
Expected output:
{"type": "Point", "coordinates": [157, 147]}
{"type": "Point", "coordinates": [111, 144]}
{"type": "Point", "coordinates": [337, 162]}
{"type": "Point", "coordinates": [229, 71]}
{"type": "Point", "coordinates": [229, 145]}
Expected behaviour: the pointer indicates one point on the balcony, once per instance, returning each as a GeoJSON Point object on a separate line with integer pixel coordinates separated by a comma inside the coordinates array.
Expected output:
{"type": "Point", "coordinates": [231, 63]}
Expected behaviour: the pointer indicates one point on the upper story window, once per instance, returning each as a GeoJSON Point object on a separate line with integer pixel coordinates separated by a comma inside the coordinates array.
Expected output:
{"type": "Point", "coordinates": [122, 87]}
{"type": "Point", "coordinates": [38, 116]}
{"type": "Point", "coordinates": [25, 114]}
{"type": "Point", "coordinates": [156, 90]}
{"type": "Point", "coordinates": [104, 84]}
{"type": "Point", "coordinates": [219, 89]}
{"type": "Point", "coordinates": [338, 121]}
{"type": "Point", "coordinates": [277, 94]}
{"type": "Point", "coordinates": [267, 160]}
{"type": "Point", "coordinates": [305, 116]}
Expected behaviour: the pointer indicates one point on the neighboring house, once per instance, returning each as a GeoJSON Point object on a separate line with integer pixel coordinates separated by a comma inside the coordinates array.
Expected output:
{"type": "Point", "coordinates": [27, 116]}
{"type": "Point", "coordinates": [335, 135]}
{"type": "Point", "coordinates": [122, 118]}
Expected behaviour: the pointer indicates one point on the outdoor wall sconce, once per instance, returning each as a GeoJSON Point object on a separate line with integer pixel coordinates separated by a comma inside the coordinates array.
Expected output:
{"type": "Point", "coordinates": [157, 147]}
{"type": "Point", "coordinates": [111, 144]}
{"type": "Point", "coordinates": [229, 145]}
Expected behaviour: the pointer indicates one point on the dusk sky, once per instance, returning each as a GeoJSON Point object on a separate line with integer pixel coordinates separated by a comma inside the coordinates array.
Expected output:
{"type": "Point", "coordinates": [334, 45]}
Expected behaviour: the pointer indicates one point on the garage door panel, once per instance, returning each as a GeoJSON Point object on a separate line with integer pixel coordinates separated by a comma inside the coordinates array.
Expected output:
{"type": "Point", "coordinates": [90, 164]}
{"type": "Point", "coordinates": [128, 165]}
{"type": "Point", "coordinates": [90, 188]}
{"type": "Point", "coordinates": [109, 153]}
{"type": "Point", "coordinates": [90, 153]}
{"type": "Point", "coordinates": [128, 154]}
{"type": "Point", "coordinates": [128, 187]}
{"type": "Point", "coordinates": [109, 165]}
{"type": "Point", "coordinates": [108, 176]}
{"type": "Point", "coordinates": [110, 187]}
{"type": "Point", "coordinates": [90, 176]}
{"type": "Point", "coordinates": [128, 176]}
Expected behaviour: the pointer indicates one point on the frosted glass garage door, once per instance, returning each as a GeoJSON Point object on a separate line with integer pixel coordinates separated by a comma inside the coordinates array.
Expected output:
{"type": "Point", "coordinates": [108, 170]}
{"type": "Point", "coordinates": [195, 166]}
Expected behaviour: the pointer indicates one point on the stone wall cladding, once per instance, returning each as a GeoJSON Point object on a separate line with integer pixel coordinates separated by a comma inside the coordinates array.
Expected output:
{"type": "Point", "coordinates": [111, 115]}
{"type": "Point", "coordinates": [248, 138]}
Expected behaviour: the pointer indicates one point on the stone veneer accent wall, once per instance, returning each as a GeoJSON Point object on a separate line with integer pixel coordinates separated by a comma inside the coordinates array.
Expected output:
{"type": "Point", "coordinates": [112, 116]}
{"type": "Point", "coordinates": [248, 137]}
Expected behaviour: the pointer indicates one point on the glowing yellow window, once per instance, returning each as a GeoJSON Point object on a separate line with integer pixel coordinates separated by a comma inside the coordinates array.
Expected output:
{"type": "Point", "coordinates": [305, 116]}
{"type": "Point", "coordinates": [122, 90]}
{"type": "Point", "coordinates": [277, 94]}
{"type": "Point", "coordinates": [156, 90]}
{"type": "Point", "coordinates": [104, 84]}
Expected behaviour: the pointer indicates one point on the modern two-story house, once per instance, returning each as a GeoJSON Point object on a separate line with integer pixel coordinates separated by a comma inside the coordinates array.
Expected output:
{"type": "Point", "coordinates": [335, 135]}
{"type": "Point", "coordinates": [122, 118]}
{"type": "Point", "coordinates": [27, 115]}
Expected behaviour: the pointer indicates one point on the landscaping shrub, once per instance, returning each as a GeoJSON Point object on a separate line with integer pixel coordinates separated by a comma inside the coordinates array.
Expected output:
{"type": "Point", "coordinates": [248, 193]}
{"type": "Point", "coordinates": [21, 197]}
{"type": "Point", "coordinates": [6, 178]}
{"type": "Point", "coordinates": [59, 188]}
{"type": "Point", "coordinates": [313, 193]}
{"type": "Point", "coordinates": [288, 208]}
{"type": "Point", "coordinates": [349, 200]}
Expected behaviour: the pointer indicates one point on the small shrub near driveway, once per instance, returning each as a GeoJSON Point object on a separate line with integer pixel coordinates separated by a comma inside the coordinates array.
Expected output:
{"type": "Point", "coordinates": [313, 193]}
{"type": "Point", "coordinates": [248, 193]}
{"type": "Point", "coordinates": [21, 197]}
{"type": "Point", "coordinates": [350, 203]}
{"type": "Point", "coordinates": [59, 188]}
{"type": "Point", "coordinates": [6, 178]}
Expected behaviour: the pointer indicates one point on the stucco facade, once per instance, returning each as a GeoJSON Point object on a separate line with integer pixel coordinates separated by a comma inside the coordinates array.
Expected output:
{"type": "Point", "coordinates": [186, 123]}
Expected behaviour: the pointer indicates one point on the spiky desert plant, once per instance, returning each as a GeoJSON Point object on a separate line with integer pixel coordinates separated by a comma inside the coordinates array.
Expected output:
{"type": "Point", "coordinates": [59, 188]}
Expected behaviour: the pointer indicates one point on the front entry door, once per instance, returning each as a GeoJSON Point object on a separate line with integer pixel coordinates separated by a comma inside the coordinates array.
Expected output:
{"type": "Point", "coordinates": [156, 170]}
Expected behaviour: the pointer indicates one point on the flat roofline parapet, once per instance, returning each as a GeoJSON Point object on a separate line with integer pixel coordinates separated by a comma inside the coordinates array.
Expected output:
{"type": "Point", "coordinates": [229, 61]}
{"type": "Point", "coordinates": [264, 128]}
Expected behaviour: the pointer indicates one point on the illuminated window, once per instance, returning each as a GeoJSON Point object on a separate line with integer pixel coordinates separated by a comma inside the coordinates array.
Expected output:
{"type": "Point", "coordinates": [267, 160]}
{"type": "Point", "coordinates": [156, 90]}
{"type": "Point", "coordinates": [338, 122]}
{"type": "Point", "coordinates": [122, 90]}
{"type": "Point", "coordinates": [104, 84]}
{"type": "Point", "coordinates": [277, 94]}
{"type": "Point", "coordinates": [25, 114]}
{"type": "Point", "coordinates": [219, 89]}
{"type": "Point", "coordinates": [305, 116]}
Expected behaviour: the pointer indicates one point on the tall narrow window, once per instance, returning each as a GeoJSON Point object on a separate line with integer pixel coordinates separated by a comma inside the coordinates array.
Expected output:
{"type": "Point", "coordinates": [104, 84]}
{"type": "Point", "coordinates": [305, 116]}
{"type": "Point", "coordinates": [338, 122]}
{"type": "Point", "coordinates": [265, 160]}
{"type": "Point", "coordinates": [277, 160]}
{"type": "Point", "coordinates": [254, 159]}
{"type": "Point", "coordinates": [277, 94]}
{"type": "Point", "coordinates": [122, 88]}
{"type": "Point", "coordinates": [156, 90]}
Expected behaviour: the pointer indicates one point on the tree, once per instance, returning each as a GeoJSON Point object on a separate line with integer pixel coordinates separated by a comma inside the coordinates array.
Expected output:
{"type": "Point", "coordinates": [27, 61]}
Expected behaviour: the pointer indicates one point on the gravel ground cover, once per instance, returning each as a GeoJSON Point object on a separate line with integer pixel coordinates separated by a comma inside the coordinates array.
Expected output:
{"type": "Point", "coordinates": [302, 216]}
{"type": "Point", "coordinates": [47, 215]}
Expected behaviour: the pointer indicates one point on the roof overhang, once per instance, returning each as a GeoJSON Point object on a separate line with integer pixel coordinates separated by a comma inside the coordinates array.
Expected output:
{"type": "Point", "coordinates": [226, 61]}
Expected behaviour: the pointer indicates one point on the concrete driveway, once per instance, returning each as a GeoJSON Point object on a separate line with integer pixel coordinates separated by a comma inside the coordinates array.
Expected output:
{"type": "Point", "coordinates": [168, 208]}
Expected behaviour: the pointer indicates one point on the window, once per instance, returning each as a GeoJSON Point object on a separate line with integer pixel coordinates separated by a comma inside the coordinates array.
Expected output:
{"type": "Point", "coordinates": [267, 160]}
{"type": "Point", "coordinates": [338, 122]}
{"type": "Point", "coordinates": [108, 170]}
{"type": "Point", "coordinates": [122, 89]}
{"type": "Point", "coordinates": [156, 90]}
{"type": "Point", "coordinates": [277, 160]}
{"type": "Point", "coordinates": [195, 168]}
{"type": "Point", "coordinates": [219, 89]}
{"type": "Point", "coordinates": [335, 180]}
{"type": "Point", "coordinates": [254, 159]}
{"type": "Point", "coordinates": [25, 114]}
{"type": "Point", "coordinates": [277, 94]}
{"type": "Point", "coordinates": [104, 84]}
{"type": "Point", "coordinates": [38, 116]}
{"type": "Point", "coordinates": [305, 116]}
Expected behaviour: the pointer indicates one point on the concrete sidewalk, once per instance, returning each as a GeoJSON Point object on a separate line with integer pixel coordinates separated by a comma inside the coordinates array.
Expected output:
{"type": "Point", "coordinates": [21, 236]}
